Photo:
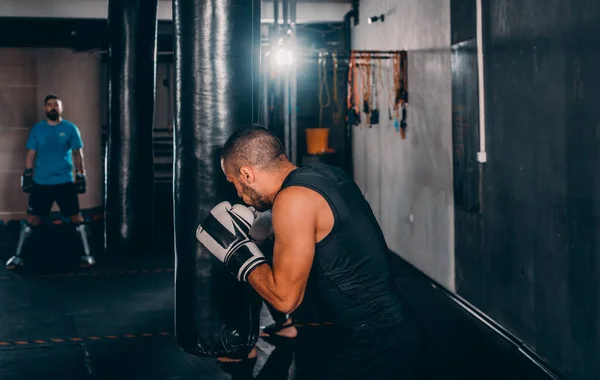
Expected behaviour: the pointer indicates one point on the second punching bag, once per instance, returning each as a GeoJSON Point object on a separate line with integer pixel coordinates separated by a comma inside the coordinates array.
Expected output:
{"type": "Point", "coordinates": [217, 58]}
{"type": "Point", "coordinates": [130, 153]}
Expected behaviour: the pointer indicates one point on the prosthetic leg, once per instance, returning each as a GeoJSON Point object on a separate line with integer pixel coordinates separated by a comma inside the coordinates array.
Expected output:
{"type": "Point", "coordinates": [241, 370]}
{"type": "Point", "coordinates": [16, 260]}
{"type": "Point", "coordinates": [88, 259]}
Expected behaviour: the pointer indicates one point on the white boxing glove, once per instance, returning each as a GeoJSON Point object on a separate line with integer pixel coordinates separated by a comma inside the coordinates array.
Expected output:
{"type": "Point", "coordinates": [224, 232]}
{"type": "Point", "coordinates": [262, 227]}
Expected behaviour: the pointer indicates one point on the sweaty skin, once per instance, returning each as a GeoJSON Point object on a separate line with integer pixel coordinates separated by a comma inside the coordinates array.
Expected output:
{"type": "Point", "coordinates": [284, 284]}
{"type": "Point", "coordinates": [301, 218]}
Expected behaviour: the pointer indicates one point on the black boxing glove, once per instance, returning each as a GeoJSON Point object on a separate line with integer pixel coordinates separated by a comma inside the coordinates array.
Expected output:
{"type": "Point", "coordinates": [80, 184]}
{"type": "Point", "coordinates": [27, 183]}
{"type": "Point", "coordinates": [224, 232]}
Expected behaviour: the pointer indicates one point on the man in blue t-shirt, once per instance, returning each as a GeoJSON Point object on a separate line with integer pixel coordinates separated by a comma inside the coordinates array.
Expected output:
{"type": "Point", "coordinates": [54, 150]}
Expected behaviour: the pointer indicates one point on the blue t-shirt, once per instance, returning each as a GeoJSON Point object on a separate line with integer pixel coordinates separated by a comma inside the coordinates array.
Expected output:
{"type": "Point", "coordinates": [53, 145]}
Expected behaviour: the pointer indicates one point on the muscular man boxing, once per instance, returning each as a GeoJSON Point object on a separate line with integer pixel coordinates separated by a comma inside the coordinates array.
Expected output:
{"type": "Point", "coordinates": [324, 230]}
{"type": "Point", "coordinates": [54, 149]}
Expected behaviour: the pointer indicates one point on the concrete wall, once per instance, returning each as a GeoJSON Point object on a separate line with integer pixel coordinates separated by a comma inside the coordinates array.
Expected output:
{"type": "Point", "coordinates": [26, 77]}
{"type": "Point", "coordinates": [409, 182]}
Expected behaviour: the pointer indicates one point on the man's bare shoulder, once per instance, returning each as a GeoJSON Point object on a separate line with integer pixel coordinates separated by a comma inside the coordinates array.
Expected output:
{"type": "Point", "coordinates": [294, 216]}
{"type": "Point", "coordinates": [297, 197]}
{"type": "Point", "coordinates": [301, 210]}
{"type": "Point", "coordinates": [296, 202]}
{"type": "Point", "coordinates": [299, 203]}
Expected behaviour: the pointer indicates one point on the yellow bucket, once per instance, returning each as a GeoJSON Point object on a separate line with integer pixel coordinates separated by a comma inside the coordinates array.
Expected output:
{"type": "Point", "coordinates": [317, 140]}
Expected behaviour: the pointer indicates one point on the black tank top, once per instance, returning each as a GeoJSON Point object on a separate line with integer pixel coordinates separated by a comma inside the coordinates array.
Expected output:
{"type": "Point", "coordinates": [350, 272]}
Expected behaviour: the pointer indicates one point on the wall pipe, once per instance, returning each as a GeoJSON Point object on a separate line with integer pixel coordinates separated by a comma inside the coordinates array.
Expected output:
{"type": "Point", "coordinates": [482, 154]}
{"type": "Point", "coordinates": [348, 157]}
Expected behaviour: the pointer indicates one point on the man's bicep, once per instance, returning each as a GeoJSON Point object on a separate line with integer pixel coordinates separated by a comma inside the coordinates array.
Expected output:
{"type": "Point", "coordinates": [32, 141]}
{"type": "Point", "coordinates": [293, 252]}
{"type": "Point", "coordinates": [76, 141]}
{"type": "Point", "coordinates": [294, 229]}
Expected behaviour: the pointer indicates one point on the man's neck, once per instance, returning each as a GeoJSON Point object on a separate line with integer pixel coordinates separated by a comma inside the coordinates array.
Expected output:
{"type": "Point", "coordinates": [54, 122]}
{"type": "Point", "coordinates": [279, 178]}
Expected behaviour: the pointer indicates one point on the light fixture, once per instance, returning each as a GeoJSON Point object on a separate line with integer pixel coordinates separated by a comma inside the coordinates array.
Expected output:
{"type": "Point", "coordinates": [289, 57]}
{"type": "Point", "coordinates": [376, 18]}
{"type": "Point", "coordinates": [284, 57]}
{"type": "Point", "coordinates": [280, 57]}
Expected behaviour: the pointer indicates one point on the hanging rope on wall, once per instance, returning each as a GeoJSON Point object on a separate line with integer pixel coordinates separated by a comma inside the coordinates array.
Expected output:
{"type": "Point", "coordinates": [352, 96]}
{"type": "Point", "coordinates": [400, 86]}
{"type": "Point", "coordinates": [377, 87]}
{"type": "Point", "coordinates": [365, 84]}
{"type": "Point", "coordinates": [337, 113]}
{"type": "Point", "coordinates": [366, 90]}
{"type": "Point", "coordinates": [323, 88]}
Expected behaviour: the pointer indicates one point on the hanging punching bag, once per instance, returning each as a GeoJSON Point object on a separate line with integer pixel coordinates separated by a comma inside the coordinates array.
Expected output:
{"type": "Point", "coordinates": [130, 157]}
{"type": "Point", "coordinates": [217, 58]}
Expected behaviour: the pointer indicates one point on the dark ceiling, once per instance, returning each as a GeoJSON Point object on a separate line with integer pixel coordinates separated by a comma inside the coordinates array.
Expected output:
{"type": "Point", "coordinates": [92, 34]}
{"type": "Point", "coordinates": [86, 35]}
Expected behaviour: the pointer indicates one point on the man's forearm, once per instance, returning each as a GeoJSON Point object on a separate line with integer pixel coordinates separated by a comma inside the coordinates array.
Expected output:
{"type": "Point", "coordinates": [282, 299]}
{"type": "Point", "coordinates": [78, 161]}
{"type": "Point", "coordinates": [29, 160]}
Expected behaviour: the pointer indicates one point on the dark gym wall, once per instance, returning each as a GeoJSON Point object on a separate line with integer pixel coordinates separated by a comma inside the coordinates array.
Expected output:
{"type": "Point", "coordinates": [529, 259]}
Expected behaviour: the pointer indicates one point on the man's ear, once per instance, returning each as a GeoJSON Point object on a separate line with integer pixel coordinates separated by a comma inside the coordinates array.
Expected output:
{"type": "Point", "coordinates": [246, 174]}
{"type": "Point", "coordinates": [223, 166]}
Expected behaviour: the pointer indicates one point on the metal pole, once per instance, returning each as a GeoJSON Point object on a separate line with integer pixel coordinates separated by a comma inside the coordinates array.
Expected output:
{"type": "Point", "coordinates": [286, 13]}
{"type": "Point", "coordinates": [265, 88]}
{"type": "Point", "coordinates": [293, 89]}
{"type": "Point", "coordinates": [293, 12]}
{"type": "Point", "coordinates": [286, 86]}
{"type": "Point", "coordinates": [274, 36]}
{"type": "Point", "coordinates": [286, 112]}
{"type": "Point", "coordinates": [276, 15]}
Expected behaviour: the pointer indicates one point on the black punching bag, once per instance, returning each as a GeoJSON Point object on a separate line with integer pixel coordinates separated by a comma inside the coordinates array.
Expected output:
{"type": "Point", "coordinates": [130, 157]}
{"type": "Point", "coordinates": [217, 58]}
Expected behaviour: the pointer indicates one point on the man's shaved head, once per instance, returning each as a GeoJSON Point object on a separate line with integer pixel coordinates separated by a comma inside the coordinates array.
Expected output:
{"type": "Point", "coordinates": [255, 162]}
{"type": "Point", "coordinates": [253, 146]}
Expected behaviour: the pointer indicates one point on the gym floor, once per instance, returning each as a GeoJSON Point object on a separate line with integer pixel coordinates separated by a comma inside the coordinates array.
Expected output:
{"type": "Point", "coordinates": [115, 321]}
{"type": "Point", "coordinates": [112, 321]}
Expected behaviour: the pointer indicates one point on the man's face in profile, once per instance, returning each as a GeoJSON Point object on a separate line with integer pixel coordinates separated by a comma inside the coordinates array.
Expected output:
{"type": "Point", "coordinates": [248, 192]}
{"type": "Point", "coordinates": [253, 198]}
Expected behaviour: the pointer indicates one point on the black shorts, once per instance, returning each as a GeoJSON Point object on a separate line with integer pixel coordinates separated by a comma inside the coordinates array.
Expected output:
{"type": "Point", "coordinates": [43, 197]}
{"type": "Point", "coordinates": [387, 353]}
